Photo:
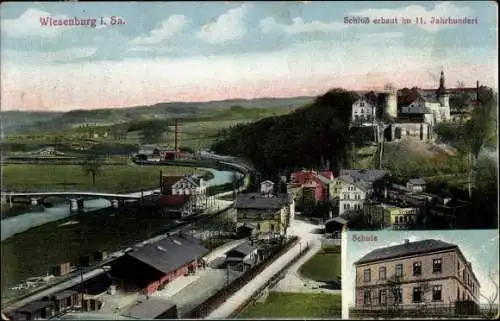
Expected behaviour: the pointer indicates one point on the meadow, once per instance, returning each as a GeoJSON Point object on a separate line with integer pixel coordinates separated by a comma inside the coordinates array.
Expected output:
{"type": "Point", "coordinates": [116, 178]}
{"type": "Point", "coordinates": [295, 305]}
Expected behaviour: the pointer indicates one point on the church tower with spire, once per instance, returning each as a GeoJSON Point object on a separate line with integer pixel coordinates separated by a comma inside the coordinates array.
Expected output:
{"type": "Point", "coordinates": [444, 99]}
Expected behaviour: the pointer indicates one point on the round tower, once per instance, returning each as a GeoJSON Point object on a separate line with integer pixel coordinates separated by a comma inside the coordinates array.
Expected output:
{"type": "Point", "coordinates": [391, 108]}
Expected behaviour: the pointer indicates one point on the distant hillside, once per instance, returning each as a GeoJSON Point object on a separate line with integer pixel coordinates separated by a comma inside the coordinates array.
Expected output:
{"type": "Point", "coordinates": [16, 121]}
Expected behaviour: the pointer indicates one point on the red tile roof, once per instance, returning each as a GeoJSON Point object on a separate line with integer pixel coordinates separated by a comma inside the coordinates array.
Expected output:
{"type": "Point", "coordinates": [171, 180]}
{"type": "Point", "coordinates": [173, 200]}
{"type": "Point", "coordinates": [327, 174]}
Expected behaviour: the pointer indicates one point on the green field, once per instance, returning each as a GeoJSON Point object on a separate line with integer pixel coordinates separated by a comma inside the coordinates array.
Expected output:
{"type": "Point", "coordinates": [324, 266]}
{"type": "Point", "coordinates": [116, 178]}
{"type": "Point", "coordinates": [295, 305]}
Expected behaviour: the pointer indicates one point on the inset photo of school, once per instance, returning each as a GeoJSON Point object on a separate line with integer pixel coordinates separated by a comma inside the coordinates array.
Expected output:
{"type": "Point", "coordinates": [424, 274]}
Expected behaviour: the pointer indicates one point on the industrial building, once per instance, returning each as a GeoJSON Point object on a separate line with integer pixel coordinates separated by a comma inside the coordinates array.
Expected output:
{"type": "Point", "coordinates": [149, 268]}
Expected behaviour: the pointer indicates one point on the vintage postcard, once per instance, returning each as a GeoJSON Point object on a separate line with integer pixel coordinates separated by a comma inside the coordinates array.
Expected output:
{"type": "Point", "coordinates": [169, 160]}
{"type": "Point", "coordinates": [421, 274]}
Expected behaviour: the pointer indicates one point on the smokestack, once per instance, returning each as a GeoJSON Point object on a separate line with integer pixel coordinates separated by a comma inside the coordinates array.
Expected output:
{"type": "Point", "coordinates": [176, 147]}
{"type": "Point", "coordinates": [477, 91]}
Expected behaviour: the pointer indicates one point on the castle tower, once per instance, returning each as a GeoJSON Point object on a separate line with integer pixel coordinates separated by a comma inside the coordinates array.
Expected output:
{"type": "Point", "coordinates": [444, 98]}
{"type": "Point", "coordinates": [391, 108]}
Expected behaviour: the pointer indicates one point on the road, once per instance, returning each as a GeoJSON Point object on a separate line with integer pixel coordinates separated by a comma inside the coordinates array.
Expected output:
{"type": "Point", "coordinates": [306, 232]}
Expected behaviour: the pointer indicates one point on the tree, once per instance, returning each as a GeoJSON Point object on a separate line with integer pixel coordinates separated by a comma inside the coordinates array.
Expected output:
{"type": "Point", "coordinates": [152, 132]}
{"type": "Point", "coordinates": [92, 165]}
{"type": "Point", "coordinates": [493, 297]}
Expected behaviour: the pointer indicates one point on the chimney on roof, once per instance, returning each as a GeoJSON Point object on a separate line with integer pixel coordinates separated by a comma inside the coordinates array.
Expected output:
{"type": "Point", "coordinates": [407, 241]}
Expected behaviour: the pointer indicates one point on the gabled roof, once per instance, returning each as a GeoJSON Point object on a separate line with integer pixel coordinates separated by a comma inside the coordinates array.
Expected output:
{"type": "Point", "coordinates": [149, 308]}
{"type": "Point", "coordinates": [244, 249]}
{"type": "Point", "coordinates": [267, 182]}
{"type": "Point", "coordinates": [171, 180]}
{"type": "Point", "coordinates": [364, 174]}
{"type": "Point", "coordinates": [34, 306]}
{"type": "Point", "coordinates": [170, 253]}
{"type": "Point", "coordinates": [324, 179]}
{"type": "Point", "coordinates": [192, 179]}
{"type": "Point", "coordinates": [412, 248]}
{"type": "Point", "coordinates": [417, 181]}
{"type": "Point", "coordinates": [338, 220]}
{"type": "Point", "coordinates": [172, 200]}
{"type": "Point", "coordinates": [258, 201]}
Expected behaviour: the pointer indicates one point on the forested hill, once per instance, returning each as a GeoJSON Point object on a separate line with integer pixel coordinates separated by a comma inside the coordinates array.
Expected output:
{"type": "Point", "coordinates": [308, 137]}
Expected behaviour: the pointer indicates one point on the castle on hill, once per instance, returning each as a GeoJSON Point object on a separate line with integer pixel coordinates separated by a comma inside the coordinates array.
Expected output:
{"type": "Point", "coordinates": [406, 113]}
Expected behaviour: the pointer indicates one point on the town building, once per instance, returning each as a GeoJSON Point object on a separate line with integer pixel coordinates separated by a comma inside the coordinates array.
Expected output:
{"type": "Point", "coordinates": [242, 257]}
{"type": "Point", "coordinates": [35, 310]}
{"type": "Point", "coordinates": [384, 215]}
{"type": "Point", "coordinates": [363, 112]}
{"type": "Point", "coordinates": [195, 187]}
{"type": "Point", "coordinates": [354, 186]}
{"type": "Point", "coordinates": [416, 185]}
{"type": "Point", "coordinates": [270, 214]}
{"type": "Point", "coordinates": [311, 187]}
{"type": "Point", "coordinates": [176, 206]}
{"type": "Point", "coordinates": [152, 308]}
{"type": "Point", "coordinates": [150, 267]}
{"type": "Point", "coordinates": [406, 276]}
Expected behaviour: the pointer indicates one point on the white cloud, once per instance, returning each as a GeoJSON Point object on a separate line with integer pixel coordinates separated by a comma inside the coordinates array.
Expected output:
{"type": "Point", "coordinates": [445, 9]}
{"type": "Point", "coordinates": [299, 26]}
{"type": "Point", "coordinates": [229, 26]}
{"type": "Point", "coordinates": [29, 24]}
{"type": "Point", "coordinates": [167, 29]}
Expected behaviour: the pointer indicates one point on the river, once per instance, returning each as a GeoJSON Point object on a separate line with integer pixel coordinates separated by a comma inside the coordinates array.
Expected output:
{"type": "Point", "coordinates": [23, 222]}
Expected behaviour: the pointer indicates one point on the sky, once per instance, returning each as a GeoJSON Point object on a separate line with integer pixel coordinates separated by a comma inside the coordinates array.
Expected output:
{"type": "Point", "coordinates": [200, 51]}
{"type": "Point", "coordinates": [480, 247]}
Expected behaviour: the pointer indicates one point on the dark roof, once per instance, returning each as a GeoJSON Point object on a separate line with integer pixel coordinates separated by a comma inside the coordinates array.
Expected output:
{"type": "Point", "coordinates": [172, 200]}
{"type": "Point", "coordinates": [149, 308]}
{"type": "Point", "coordinates": [171, 180]}
{"type": "Point", "coordinates": [194, 180]}
{"type": "Point", "coordinates": [402, 250]}
{"type": "Point", "coordinates": [34, 306]}
{"type": "Point", "coordinates": [364, 174]}
{"type": "Point", "coordinates": [258, 201]}
{"type": "Point", "coordinates": [417, 181]}
{"type": "Point", "coordinates": [64, 294]}
{"type": "Point", "coordinates": [244, 248]}
{"type": "Point", "coordinates": [170, 253]}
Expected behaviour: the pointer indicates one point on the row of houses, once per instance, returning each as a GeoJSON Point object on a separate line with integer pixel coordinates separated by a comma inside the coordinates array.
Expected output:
{"type": "Point", "coordinates": [369, 193]}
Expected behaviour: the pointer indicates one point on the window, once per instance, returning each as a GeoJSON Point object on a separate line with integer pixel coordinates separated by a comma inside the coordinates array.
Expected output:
{"type": "Point", "coordinates": [345, 206]}
{"type": "Point", "coordinates": [399, 270]}
{"type": "Point", "coordinates": [417, 268]}
{"type": "Point", "coordinates": [348, 206]}
{"type": "Point", "coordinates": [367, 275]}
{"type": "Point", "coordinates": [398, 295]}
{"type": "Point", "coordinates": [417, 295]}
{"type": "Point", "coordinates": [436, 266]}
{"type": "Point", "coordinates": [382, 297]}
{"type": "Point", "coordinates": [362, 104]}
{"type": "Point", "coordinates": [458, 268]}
{"type": "Point", "coordinates": [382, 273]}
{"type": "Point", "coordinates": [367, 298]}
{"type": "Point", "coordinates": [437, 293]}
{"type": "Point", "coordinates": [272, 227]}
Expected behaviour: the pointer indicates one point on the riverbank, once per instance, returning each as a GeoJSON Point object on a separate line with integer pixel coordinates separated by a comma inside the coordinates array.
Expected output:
{"type": "Point", "coordinates": [116, 178]}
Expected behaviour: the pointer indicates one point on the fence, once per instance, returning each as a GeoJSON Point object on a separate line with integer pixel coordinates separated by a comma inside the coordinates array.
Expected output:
{"type": "Point", "coordinates": [275, 279]}
{"type": "Point", "coordinates": [456, 309]}
{"type": "Point", "coordinates": [219, 297]}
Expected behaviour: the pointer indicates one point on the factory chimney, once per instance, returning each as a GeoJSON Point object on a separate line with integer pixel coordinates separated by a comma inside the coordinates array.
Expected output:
{"type": "Point", "coordinates": [477, 91]}
{"type": "Point", "coordinates": [176, 141]}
